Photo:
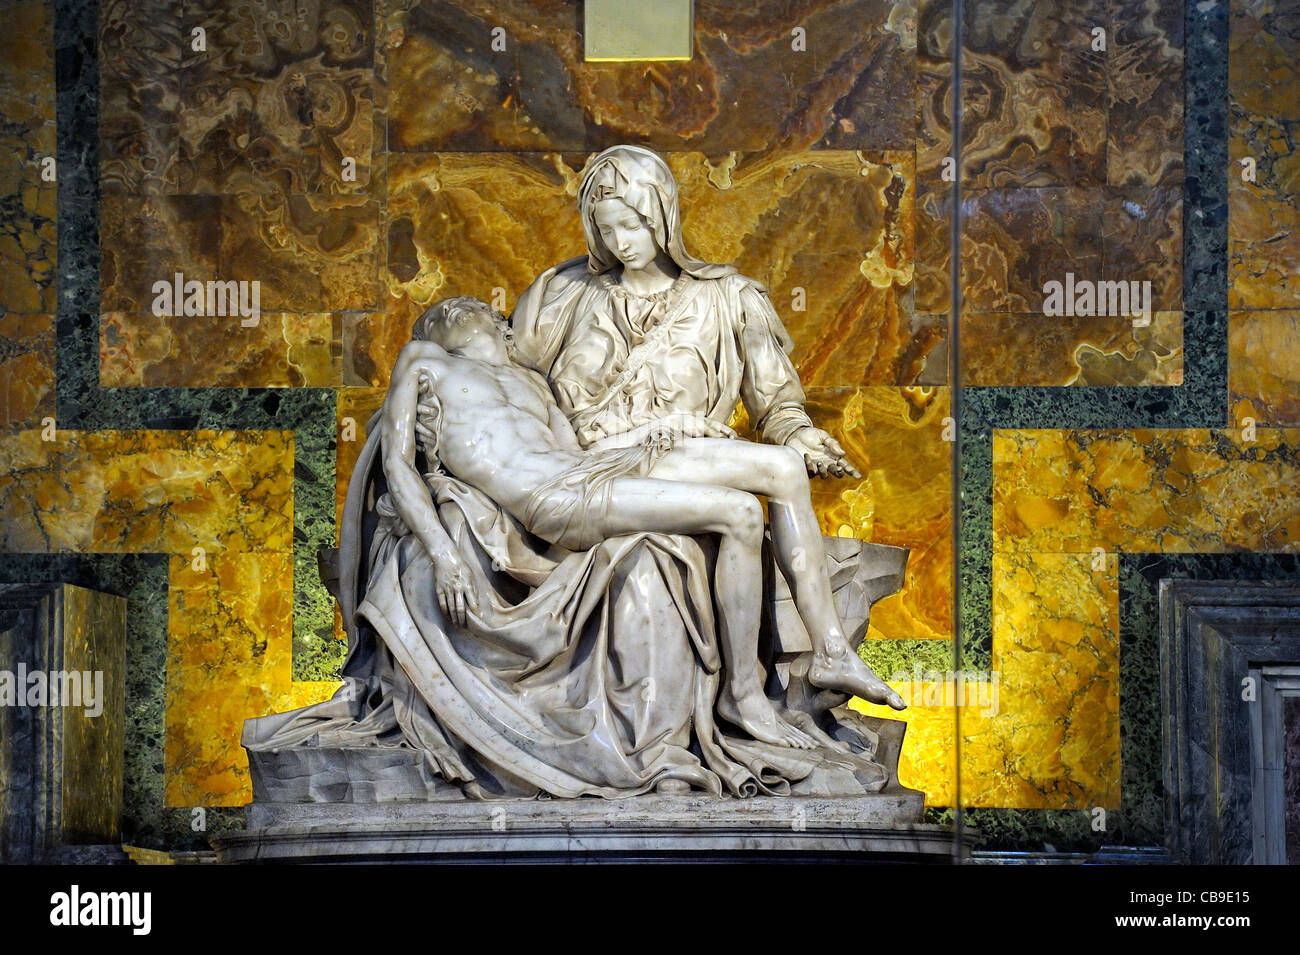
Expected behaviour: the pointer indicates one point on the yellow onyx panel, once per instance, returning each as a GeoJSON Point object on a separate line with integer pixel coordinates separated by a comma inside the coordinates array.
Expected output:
{"type": "Point", "coordinates": [27, 358]}
{"type": "Point", "coordinates": [281, 350]}
{"type": "Point", "coordinates": [1040, 730]}
{"type": "Point", "coordinates": [895, 437]}
{"type": "Point", "coordinates": [1172, 491]}
{"type": "Point", "coordinates": [1264, 366]}
{"type": "Point", "coordinates": [146, 491]}
{"type": "Point", "coordinates": [229, 657]}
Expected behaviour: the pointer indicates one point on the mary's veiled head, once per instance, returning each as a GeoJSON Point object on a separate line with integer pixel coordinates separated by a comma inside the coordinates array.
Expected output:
{"type": "Point", "coordinates": [643, 181]}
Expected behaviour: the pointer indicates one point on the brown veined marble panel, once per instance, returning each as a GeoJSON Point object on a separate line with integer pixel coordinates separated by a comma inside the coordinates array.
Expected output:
{"type": "Point", "coordinates": [139, 94]}
{"type": "Point", "coordinates": [1001, 349]}
{"type": "Point", "coordinates": [143, 240]}
{"type": "Point", "coordinates": [933, 207]}
{"type": "Point", "coordinates": [1034, 94]}
{"type": "Point", "coordinates": [1142, 240]}
{"type": "Point", "coordinates": [308, 252]}
{"type": "Point", "coordinates": [839, 226]}
{"type": "Point", "coordinates": [111, 492]}
{"type": "Point", "coordinates": [463, 224]}
{"type": "Point", "coordinates": [933, 290]}
{"type": "Point", "coordinates": [835, 224]}
{"type": "Point", "coordinates": [27, 234]}
{"type": "Point", "coordinates": [282, 350]}
{"type": "Point", "coordinates": [260, 40]}
{"type": "Point", "coordinates": [1144, 121]}
{"type": "Point", "coordinates": [933, 89]}
{"type": "Point", "coordinates": [27, 368]}
{"type": "Point", "coordinates": [1264, 125]}
{"type": "Point", "coordinates": [1015, 240]}
{"type": "Point", "coordinates": [1264, 367]}
{"type": "Point", "coordinates": [281, 96]}
{"type": "Point", "coordinates": [1175, 491]}
{"type": "Point", "coordinates": [745, 89]}
{"type": "Point", "coordinates": [311, 252]}
{"type": "Point", "coordinates": [895, 438]}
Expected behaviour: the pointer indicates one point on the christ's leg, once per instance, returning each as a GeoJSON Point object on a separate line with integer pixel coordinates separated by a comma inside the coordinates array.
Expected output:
{"type": "Point", "coordinates": [671, 507]}
{"type": "Point", "coordinates": [779, 474]}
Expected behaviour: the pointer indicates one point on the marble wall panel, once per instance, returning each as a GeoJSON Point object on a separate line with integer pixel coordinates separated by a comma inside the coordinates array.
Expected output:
{"type": "Point", "coordinates": [146, 491]}
{"type": "Point", "coordinates": [894, 436]}
{"type": "Point", "coordinates": [1144, 115]}
{"type": "Point", "coordinates": [1142, 240]}
{"type": "Point", "coordinates": [229, 631]}
{"type": "Point", "coordinates": [933, 273]}
{"type": "Point", "coordinates": [1001, 348]}
{"type": "Point", "coordinates": [140, 43]}
{"type": "Point", "coordinates": [148, 239]}
{"type": "Point", "coordinates": [27, 372]}
{"type": "Point", "coordinates": [27, 138]}
{"type": "Point", "coordinates": [355, 408]}
{"type": "Point", "coordinates": [310, 253]}
{"type": "Point", "coordinates": [1056, 652]}
{"type": "Point", "coordinates": [282, 350]}
{"type": "Point", "coordinates": [1062, 151]}
{"type": "Point", "coordinates": [746, 88]}
{"type": "Point", "coordinates": [1171, 491]}
{"type": "Point", "coordinates": [1015, 240]}
{"type": "Point", "coordinates": [1264, 125]}
{"type": "Point", "coordinates": [1055, 740]}
{"type": "Point", "coordinates": [278, 99]}
{"type": "Point", "coordinates": [1034, 94]}
{"type": "Point", "coordinates": [1264, 366]}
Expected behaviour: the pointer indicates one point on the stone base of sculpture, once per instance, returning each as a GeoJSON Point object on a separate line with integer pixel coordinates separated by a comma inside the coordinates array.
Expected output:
{"type": "Point", "coordinates": [375, 803]}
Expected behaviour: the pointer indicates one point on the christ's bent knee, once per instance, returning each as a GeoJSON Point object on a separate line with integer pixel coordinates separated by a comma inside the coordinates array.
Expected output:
{"type": "Point", "coordinates": [744, 519]}
{"type": "Point", "coordinates": [789, 472]}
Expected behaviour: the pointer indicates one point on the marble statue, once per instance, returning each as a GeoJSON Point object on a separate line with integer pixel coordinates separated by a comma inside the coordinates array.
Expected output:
{"type": "Point", "coordinates": [554, 571]}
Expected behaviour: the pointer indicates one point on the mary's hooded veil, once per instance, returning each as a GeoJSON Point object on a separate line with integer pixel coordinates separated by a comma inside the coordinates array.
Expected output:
{"type": "Point", "coordinates": [644, 181]}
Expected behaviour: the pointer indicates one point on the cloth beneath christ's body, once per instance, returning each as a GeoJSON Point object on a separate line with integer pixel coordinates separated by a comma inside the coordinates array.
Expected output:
{"type": "Point", "coordinates": [569, 509]}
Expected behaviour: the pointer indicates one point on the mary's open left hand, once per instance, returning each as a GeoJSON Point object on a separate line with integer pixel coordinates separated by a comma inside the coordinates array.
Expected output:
{"type": "Point", "coordinates": [822, 454]}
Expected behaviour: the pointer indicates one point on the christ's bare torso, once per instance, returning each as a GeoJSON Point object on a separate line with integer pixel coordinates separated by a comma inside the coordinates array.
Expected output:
{"type": "Point", "coordinates": [500, 429]}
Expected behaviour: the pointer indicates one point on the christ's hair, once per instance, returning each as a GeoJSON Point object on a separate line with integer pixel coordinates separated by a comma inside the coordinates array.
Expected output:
{"type": "Point", "coordinates": [450, 313]}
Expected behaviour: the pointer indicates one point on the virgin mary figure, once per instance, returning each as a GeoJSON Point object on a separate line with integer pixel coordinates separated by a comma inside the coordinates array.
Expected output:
{"type": "Point", "coordinates": [596, 673]}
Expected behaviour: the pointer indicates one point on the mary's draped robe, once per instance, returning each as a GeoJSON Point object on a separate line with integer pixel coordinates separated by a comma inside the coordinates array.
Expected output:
{"type": "Point", "coordinates": [591, 673]}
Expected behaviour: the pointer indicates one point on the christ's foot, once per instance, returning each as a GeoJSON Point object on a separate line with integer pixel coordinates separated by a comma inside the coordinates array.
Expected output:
{"type": "Point", "coordinates": [754, 714]}
{"type": "Point", "coordinates": [839, 668]}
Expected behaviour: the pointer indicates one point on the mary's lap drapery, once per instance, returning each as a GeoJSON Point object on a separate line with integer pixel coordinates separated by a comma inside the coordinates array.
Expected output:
{"type": "Point", "coordinates": [583, 673]}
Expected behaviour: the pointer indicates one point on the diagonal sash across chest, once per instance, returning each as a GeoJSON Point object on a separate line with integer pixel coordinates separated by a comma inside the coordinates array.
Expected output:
{"type": "Point", "coordinates": [654, 345]}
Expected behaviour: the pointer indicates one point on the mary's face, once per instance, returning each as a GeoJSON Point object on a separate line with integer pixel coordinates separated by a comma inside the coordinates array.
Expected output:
{"type": "Point", "coordinates": [625, 233]}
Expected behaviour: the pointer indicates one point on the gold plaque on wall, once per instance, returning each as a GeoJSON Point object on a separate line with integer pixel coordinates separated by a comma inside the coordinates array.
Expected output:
{"type": "Point", "coordinates": [622, 30]}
